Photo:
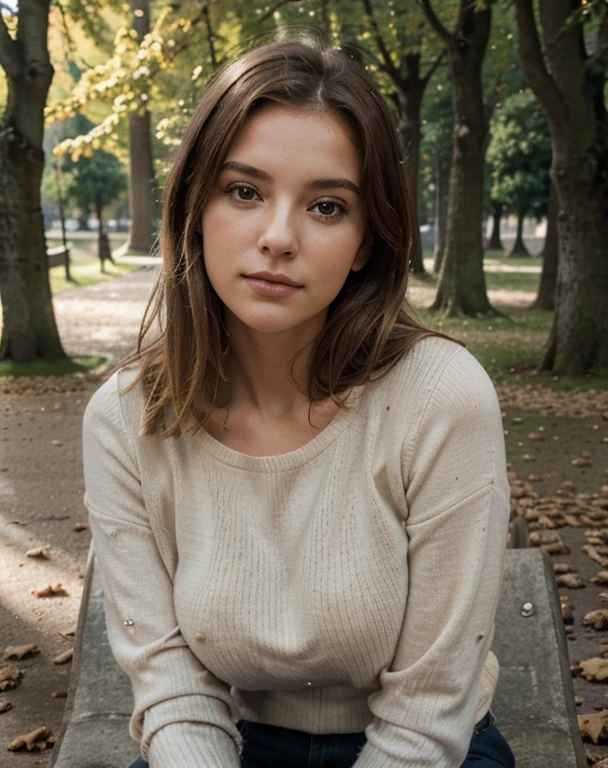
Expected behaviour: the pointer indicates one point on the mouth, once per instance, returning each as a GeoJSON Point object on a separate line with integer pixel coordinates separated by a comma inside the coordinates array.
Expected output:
{"type": "Point", "coordinates": [270, 277]}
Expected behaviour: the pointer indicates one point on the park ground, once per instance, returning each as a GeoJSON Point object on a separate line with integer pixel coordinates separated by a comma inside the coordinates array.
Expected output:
{"type": "Point", "coordinates": [549, 424]}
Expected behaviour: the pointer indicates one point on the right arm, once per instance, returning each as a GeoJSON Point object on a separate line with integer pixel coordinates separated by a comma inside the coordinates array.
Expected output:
{"type": "Point", "coordinates": [182, 714]}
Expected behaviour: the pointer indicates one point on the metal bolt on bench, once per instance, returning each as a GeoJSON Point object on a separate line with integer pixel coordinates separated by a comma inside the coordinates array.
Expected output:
{"type": "Point", "coordinates": [534, 701]}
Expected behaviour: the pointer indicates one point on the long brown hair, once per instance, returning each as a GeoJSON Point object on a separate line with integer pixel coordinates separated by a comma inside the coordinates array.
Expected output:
{"type": "Point", "coordinates": [368, 327]}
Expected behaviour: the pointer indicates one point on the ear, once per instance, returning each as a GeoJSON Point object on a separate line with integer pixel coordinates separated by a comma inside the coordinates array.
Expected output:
{"type": "Point", "coordinates": [364, 252]}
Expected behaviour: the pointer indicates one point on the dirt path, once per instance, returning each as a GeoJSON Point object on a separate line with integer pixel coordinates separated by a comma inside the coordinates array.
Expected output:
{"type": "Point", "coordinates": [41, 490]}
{"type": "Point", "coordinates": [41, 499]}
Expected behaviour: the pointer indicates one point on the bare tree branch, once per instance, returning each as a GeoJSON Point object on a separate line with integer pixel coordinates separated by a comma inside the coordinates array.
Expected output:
{"type": "Point", "coordinates": [532, 60]}
{"type": "Point", "coordinates": [436, 23]}
{"type": "Point", "coordinates": [433, 67]}
{"type": "Point", "coordinates": [9, 60]}
{"type": "Point", "coordinates": [389, 66]}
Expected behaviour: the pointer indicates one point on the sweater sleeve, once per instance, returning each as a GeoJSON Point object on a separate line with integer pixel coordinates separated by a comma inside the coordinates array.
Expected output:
{"type": "Point", "coordinates": [457, 499]}
{"type": "Point", "coordinates": [182, 714]}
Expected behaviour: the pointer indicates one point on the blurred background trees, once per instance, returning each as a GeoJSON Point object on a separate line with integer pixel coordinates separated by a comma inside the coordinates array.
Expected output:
{"type": "Point", "coordinates": [488, 115]}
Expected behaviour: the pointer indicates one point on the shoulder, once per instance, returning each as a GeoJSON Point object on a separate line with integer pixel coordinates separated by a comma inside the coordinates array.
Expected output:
{"type": "Point", "coordinates": [438, 389]}
{"type": "Point", "coordinates": [111, 408]}
{"type": "Point", "coordinates": [433, 368]}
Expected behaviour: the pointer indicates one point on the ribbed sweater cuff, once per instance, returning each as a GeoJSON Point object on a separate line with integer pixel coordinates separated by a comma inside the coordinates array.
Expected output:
{"type": "Point", "coordinates": [192, 745]}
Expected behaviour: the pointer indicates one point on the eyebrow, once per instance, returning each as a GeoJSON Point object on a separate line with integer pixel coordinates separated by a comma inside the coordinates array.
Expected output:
{"type": "Point", "coordinates": [257, 173]}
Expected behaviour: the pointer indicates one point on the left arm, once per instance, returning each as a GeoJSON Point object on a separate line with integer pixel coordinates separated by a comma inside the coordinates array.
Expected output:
{"type": "Point", "coordinates": [457, 515]}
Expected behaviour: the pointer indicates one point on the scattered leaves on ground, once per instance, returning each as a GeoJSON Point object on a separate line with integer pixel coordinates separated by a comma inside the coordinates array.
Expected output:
{"type": "Point", "coordinates": [595, 669]}
{"type": "Point", "coordinates": [40, 739]}
{"type": "Point", "coordinates": [570, 580]}
{"type": "Point", "coordinates": [51, 591]}
{"type": "Point", "coordinates": [80, 527]}
{"type": "Point", "coordinates": [596, 619]}
{"type": "Point", "coordinates": [66, 656]}
{"type": "Point", "coordinates": [10, 678]}
{"type": "Point", "coordinates": [19, 651]}
{"type": "Point", "coordinates": [42, 552]}
{"type": "Point", "coordinates": [593, 727]}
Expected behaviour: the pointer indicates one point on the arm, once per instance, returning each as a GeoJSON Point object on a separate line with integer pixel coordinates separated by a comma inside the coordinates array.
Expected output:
{"type": "Point", "coordinates": [457, 515]}
{"type": "Point", "coordinates": [182, 712]}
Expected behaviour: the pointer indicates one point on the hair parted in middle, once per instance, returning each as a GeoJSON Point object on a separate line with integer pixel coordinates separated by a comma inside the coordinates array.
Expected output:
{"type": "Point", "coordinates": [368, 326]}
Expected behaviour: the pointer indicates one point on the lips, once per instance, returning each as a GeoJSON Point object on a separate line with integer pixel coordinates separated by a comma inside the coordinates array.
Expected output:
{"type": "Point", "coordinates": [271, 277]}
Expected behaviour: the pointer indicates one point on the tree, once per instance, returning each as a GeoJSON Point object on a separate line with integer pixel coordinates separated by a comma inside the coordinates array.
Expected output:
{"type": "Point", "coordinates": [437, 133]}
{"type": "Point", "coordinates": [566, 69]}
{"type": "Point", "coordinates": [520, 156]}
{"type": "Point", "coordinates": [29, 330]}
{"type": "Point", "coordinates": [142, 180]}
{"type": "Point", "coordinates": [95, 182]}
{"type": "Point", "coordinates": [402, 63]}
{"type": "Point", "coordinates": [462, 288]}
{"type": "Point", "coordinates": [550, 256]}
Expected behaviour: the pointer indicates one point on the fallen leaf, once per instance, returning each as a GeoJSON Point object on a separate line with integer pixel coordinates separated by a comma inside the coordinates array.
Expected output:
{"type": "Point", "coordinates": [595, 555]}
{"type": "Point", "coordinates": [5, 706]}
{"type": "Point", "coordinates": [40, 739]}
{"type": "Point", "coordinates": [42, 551]}
{"type": "Point", "coordinates": [596, 619]}
{"type": "Point", "coordinates": [10, 678]}
{"type": "Point", "coordinates": [536, 436]}
{"type": "Point", "coordinates": [601, 579]}
{"type": "Point", "coordinates": [59, 694]}
{"type": "Point", "coordinates": [50, 591]}
{"type": "Point", "coordinates": [595, 669]}
{"type": "Point", "coordinates": [562, 568]}
{"type": "Point", "coordinates": [568, 485]}
{"type": "Point", "coordinates": [80, 527]}
{"type": "Point", "coordinates": [581, 463]}
{"type": "Point", "coordinates": [578, 700]}
{"type": "Point", "coordinates": [528, 457]}
{"type": "Point", "coordinates": [593, 726]}
{"type": "Point", "coordinates": [19, 651]}
{"type": "Point", "coordinates": [64, 657]}
{"type": "Point", "coordinates": [601, 763]}
{"type": "Point", "coordinates": [58, 443]}
{"type": "Point", "coordinates": [570, 580]}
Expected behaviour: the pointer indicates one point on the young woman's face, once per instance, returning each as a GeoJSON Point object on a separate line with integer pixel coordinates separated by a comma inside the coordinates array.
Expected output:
{"type": "Point", "coordinates": [285, 223]}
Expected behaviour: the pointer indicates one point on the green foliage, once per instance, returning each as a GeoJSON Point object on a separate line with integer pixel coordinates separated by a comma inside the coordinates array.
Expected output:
{"type": "Point", "coordinates": [94, 181]}
{"type": "Point", "coordinates": [520, 155]}
{"type": "Point", "coordinates": [46, 368]}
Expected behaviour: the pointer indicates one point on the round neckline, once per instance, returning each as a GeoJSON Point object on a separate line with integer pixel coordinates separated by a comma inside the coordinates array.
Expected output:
{"type": "Point", "coordinates": [292, 459]}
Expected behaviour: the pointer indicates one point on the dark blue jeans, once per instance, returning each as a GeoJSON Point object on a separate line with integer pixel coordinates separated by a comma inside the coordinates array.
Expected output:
{"type": "Point", "coordinates": [267, 746]}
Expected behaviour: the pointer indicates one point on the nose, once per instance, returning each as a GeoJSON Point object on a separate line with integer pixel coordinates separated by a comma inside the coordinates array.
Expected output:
{"type": "Point", "coordinates": [279, 236]}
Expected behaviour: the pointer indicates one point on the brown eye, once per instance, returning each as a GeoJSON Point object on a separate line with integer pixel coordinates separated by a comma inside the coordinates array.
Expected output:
{"type": "Point", "coordinates": [328, 209]}
{"type": "Point", "coordinates": [242, 193]}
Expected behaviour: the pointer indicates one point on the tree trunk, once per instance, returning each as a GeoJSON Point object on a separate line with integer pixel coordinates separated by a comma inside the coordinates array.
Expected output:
{"type": "Point", "coordinates": [29, 330]}
{"type": "Point", "coordinates": [142, 183]}
{"type": "Point", "coordinates": [572, 94]}
{"type": "Point", "coordinates": [581, 318]}
{"type": "Point", "coordinates": [410, 105]}
{"type": "Point", "coordinates": [550, 255]}
{"type": "Point", "coordinates": [519, 247]}
{"type": "Point", "coordinates": [462, 286]}
{"type": "Point", "coordinates": [495, 243]}
{"type": "Point", "coordinates": [443, 184]}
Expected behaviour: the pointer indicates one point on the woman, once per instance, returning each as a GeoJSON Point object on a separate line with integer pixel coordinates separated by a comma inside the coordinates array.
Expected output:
{"type": "Point", "coordinates": [298, 497]}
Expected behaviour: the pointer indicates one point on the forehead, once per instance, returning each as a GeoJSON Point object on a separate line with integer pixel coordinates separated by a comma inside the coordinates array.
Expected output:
{"type": "Point", "coordinates": [277, 133]}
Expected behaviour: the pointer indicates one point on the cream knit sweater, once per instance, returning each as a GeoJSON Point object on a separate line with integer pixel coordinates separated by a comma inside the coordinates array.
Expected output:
{"type": "Point", "coordinates": [349, 584]}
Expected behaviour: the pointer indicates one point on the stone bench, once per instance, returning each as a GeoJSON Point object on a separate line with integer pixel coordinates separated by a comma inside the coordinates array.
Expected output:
{"type": "Point", "coordinates": [534, 701]}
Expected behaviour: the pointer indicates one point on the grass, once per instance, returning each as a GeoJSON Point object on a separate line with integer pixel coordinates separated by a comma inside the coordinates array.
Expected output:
{"type": "Point", "coordinates": [47, 368]}
{"type": "Point", "coordinates": [86, 272]}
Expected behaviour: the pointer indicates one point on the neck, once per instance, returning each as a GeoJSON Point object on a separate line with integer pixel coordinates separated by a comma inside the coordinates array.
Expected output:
{"type": "Point", "coordinates": [258, 370]}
